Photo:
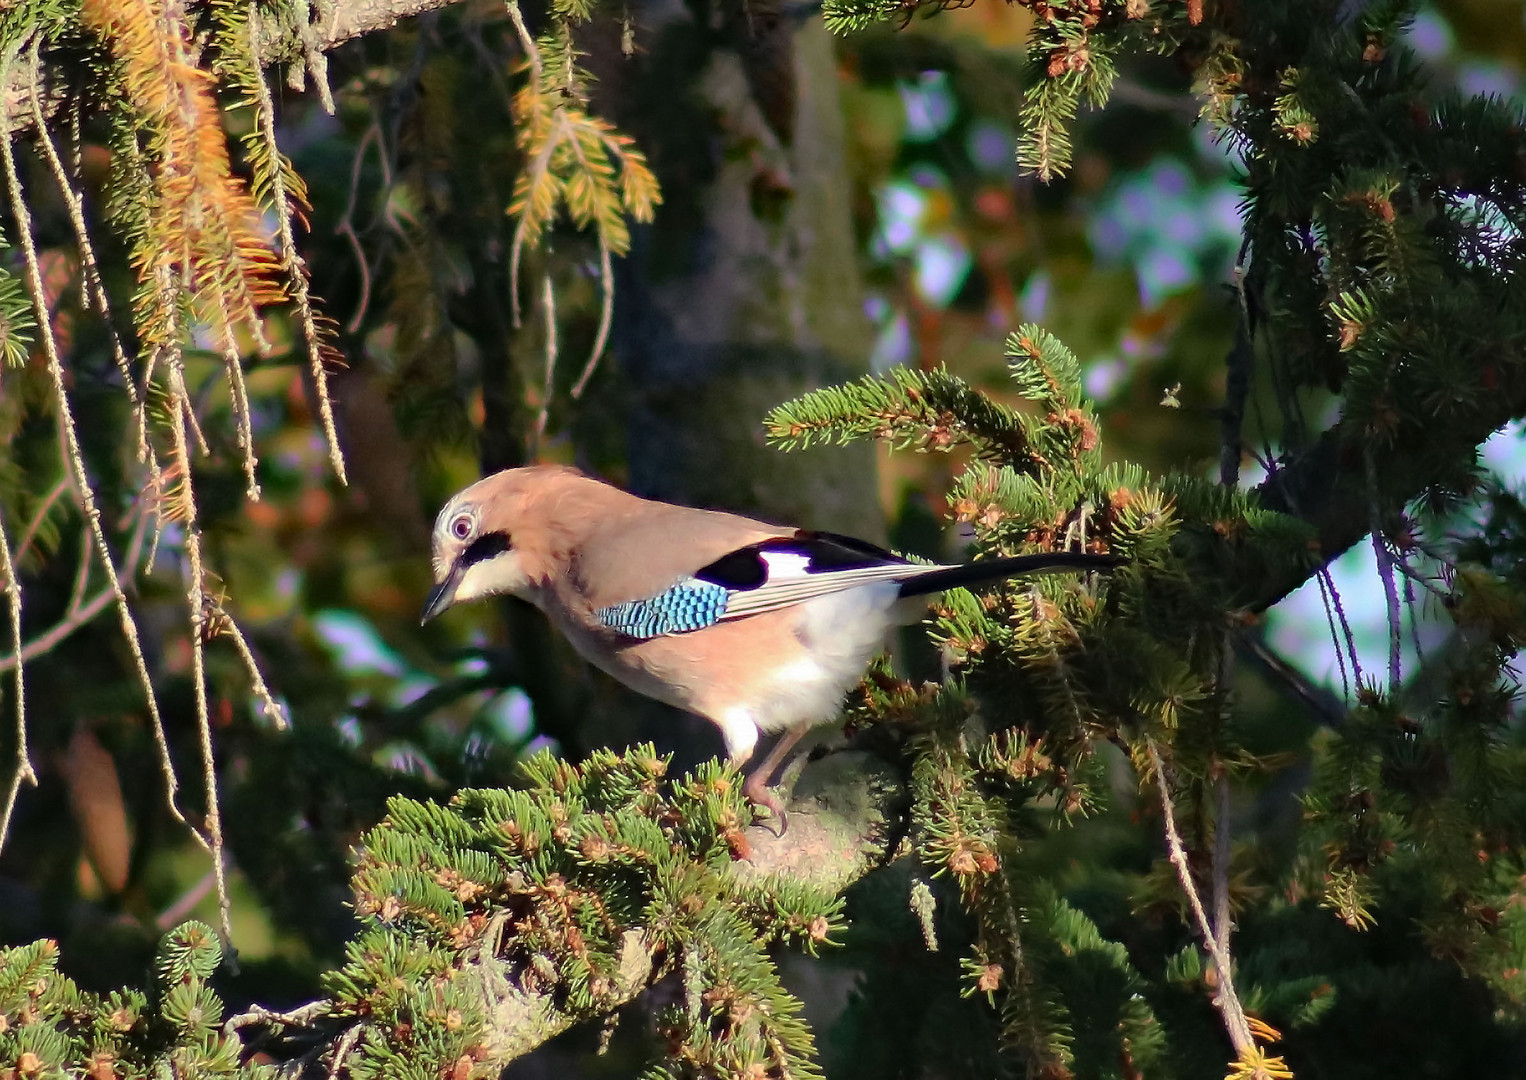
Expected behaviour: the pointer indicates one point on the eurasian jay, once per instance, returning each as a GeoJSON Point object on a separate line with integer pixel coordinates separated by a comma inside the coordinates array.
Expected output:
{"type": "Point", "coordinates": [757, 628]}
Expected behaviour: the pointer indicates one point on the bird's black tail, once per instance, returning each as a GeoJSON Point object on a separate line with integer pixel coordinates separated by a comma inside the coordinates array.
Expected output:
{"type": "Point", "coordinates": [1013, 566]}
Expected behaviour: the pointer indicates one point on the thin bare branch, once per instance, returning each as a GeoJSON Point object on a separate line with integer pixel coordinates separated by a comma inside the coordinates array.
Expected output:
{"type": "Point", "coordinates": [48, 500]}
{"type": "Point", "coordinates": [606, 318]}
{"type": "Point", "coordinates": [342, 1049]}
{"type": "Point", "coordinates": [243, 416]}
{"type": "Point", "coordinates": [273, 708]}
{"type": "Point", "coordinates": [1227, 1001]}
{"type": "Point", "coordinates": [1222, 836]}
{"type": "Point", "coordinates": [1426, 583]}
{"type": "Point", "coordinates": [81, 574]}
{"type": "Point", "coordinates": [346, 226]}
{"type": "Point", "coordinates": [539, 164]}
{"type": "Point", "coordinates": [300, 1017]}
{"type": "Point", "coordinates": [1320, 701]}
{"type": "Point", "coordinates": [81, 611]}
{"type": "Point", "coordinates": [1386, 572]}
{"type": "Point", "coordinates": [1345, 624]}
{"type": "Point", "coordinates": [548, 308]}
{"type": "Point", "coordinates": [195, 425]}
{"type": "Point", "coordinates": [1326, 587]}
{"type": "Point", "coordinates": [186, 903]}
{"type": "Point", "coordinates": [24, 773]}
{"type": "Point", "coordinates": [526, 39]}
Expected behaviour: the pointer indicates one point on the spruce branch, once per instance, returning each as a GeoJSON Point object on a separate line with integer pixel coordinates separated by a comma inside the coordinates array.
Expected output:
{"type": "Point", "coordinates": [527, 911]}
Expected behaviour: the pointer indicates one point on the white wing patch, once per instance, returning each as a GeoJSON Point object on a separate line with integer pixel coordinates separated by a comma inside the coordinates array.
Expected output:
{"type": "Point", "coordinates": [785, 564]}
{"type": "Point", "coordinates": [797, 585]}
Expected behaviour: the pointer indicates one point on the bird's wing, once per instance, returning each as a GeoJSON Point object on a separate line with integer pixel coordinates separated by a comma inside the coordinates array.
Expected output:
{"type": "Point", "coordinates": [763, 576]}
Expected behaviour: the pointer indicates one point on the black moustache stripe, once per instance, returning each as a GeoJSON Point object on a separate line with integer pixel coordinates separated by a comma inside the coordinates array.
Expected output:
{"type": "Point", "coordinates": [484, 547]}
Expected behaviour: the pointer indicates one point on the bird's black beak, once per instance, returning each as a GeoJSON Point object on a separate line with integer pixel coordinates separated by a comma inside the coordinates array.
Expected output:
{"type": "Point", "coordinates": [442, 595]}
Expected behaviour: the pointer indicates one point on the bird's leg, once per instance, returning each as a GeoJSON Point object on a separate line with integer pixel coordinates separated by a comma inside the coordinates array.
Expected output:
{"type": "Point", "coordinates": [741, 737]}
{"type": "Point", "coordinates": [756, 787]}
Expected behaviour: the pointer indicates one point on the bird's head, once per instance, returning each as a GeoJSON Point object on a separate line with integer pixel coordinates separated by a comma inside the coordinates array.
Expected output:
{"type": "Point", "coordinates": [480, 538]}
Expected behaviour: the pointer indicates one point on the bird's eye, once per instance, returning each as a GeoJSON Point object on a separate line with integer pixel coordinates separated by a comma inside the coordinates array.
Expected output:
{"type": "Point", "coordinates": [461, 526]}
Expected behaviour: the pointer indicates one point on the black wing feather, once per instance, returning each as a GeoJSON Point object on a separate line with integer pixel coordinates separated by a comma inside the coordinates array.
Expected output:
{"type": "Point", "coordinates": [746, 568]}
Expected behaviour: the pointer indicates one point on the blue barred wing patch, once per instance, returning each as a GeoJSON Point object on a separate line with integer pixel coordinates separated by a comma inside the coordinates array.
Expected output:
{"type": "Point", "coordinates": [689, 605]}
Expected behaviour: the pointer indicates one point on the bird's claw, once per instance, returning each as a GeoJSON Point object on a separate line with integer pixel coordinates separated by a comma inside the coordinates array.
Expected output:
{"type": "Point", "coordinates": [762, 796]}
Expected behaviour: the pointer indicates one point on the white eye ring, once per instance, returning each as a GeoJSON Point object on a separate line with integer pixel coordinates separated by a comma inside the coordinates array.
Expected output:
{"type": "Point", "coordinates": [461, 526]}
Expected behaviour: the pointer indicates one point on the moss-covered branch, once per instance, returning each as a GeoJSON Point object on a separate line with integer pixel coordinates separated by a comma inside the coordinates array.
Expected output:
{"type": "Point", "coordinates": [287, 39]}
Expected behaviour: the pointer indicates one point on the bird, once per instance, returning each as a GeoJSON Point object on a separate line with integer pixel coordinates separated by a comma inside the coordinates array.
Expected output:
{"type": "Point", "coordinates": [758, 628]}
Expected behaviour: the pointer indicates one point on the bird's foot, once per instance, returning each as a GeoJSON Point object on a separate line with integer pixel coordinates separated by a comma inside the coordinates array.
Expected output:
{"type": "Point", "coordinates": [761, 795]}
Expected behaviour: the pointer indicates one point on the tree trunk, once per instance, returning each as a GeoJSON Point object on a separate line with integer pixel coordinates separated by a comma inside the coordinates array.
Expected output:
{"type": "Point", "coordinates": [746, 290]}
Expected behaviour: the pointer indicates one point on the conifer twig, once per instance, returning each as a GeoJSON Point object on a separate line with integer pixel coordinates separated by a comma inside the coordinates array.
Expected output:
{"type": "Point", "coordinates": [1226, 999]}
{"type": "Point", "coordinates": [1415, 576]}
{"type": "Point", "coordinates": [526, 40]}
{"type": "Point", "coordinates": [313, 37]}
{"type": "Point", "coordinates": [343, 1047]}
